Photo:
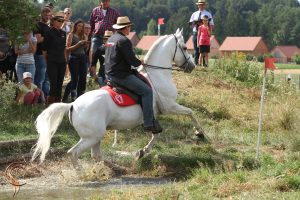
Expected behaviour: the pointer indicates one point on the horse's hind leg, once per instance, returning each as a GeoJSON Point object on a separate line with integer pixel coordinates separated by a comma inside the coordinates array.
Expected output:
{"type": "Point", "coordinates": [96, 152]}
{"type": "Point", "coordinates": [82, 145]}
{"type": "Point", "coordinates": [140, 153]}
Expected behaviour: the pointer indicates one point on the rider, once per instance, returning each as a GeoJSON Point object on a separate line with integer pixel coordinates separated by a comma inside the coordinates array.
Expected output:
{"type": "Point", "coordinates": [119, 59]}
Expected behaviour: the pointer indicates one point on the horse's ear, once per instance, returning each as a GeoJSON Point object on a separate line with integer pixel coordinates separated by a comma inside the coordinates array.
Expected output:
{"type": "Point", "coordinates": [181, 31]}
{"type": "Point", "coordinates": [177, 31]}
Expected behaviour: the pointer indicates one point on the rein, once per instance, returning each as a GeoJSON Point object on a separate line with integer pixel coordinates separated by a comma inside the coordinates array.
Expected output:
{"type": "Point", "coordinates": [172, 68]}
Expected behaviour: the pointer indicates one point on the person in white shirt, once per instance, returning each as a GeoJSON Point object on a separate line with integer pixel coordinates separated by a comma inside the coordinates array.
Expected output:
{"type": "Point", "coordinates": [25, 60]}
{"type": "Point", "coordinates": [195, 21]}
{"type": "Point", "coordinates": [67, 25]}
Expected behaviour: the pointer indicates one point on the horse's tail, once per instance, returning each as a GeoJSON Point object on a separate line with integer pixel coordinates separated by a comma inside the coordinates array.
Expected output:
{"type": "Point", "coordinates": [46, 124]}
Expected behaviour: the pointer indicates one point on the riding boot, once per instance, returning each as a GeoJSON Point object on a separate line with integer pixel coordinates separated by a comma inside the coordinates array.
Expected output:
{"type": "Point", "coordinates": [50, 100]}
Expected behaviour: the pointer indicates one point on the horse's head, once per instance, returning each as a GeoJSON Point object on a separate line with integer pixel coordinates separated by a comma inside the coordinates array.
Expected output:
{"type": "Point", "coordinates": [181, 57]}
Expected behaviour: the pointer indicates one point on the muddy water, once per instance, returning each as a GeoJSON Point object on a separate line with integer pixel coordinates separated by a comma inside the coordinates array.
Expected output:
{"type": "Point", "coordinates": [62, 182]}
{"type": "Point", "coordinates": [50, 190]}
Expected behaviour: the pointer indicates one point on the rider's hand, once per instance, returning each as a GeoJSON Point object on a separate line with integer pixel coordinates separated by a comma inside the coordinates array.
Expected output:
{"type": "Point", "coordinates": [142, 61]}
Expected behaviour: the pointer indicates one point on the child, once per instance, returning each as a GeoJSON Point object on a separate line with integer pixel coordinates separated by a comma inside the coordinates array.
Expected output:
{"type": "Point", "coordinates": [204, 33]}
{"type": "Point", "coordinates": [28, 93]}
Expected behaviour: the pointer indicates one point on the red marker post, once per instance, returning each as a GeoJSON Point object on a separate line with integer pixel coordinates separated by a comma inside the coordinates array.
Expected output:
{"type": "Point", "coordinates": [269, 64]}
{"type": "Point", "coordinates": [160, 21]}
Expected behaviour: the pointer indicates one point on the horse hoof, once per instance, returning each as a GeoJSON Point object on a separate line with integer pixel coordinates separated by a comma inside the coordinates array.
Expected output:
{"type": "Point", "coordinates": [201, 137]}
{"type": "Point", "coordinates": [139, 154]}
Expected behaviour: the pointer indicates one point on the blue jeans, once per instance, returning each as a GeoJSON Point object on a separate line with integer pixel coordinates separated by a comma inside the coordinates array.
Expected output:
{"type": "Point", "coordinates": [21, 68]}
{"type": "Point", "coordinates": [40, 74]}
{"type": "Point", "coordinates": [97, 41]}
{"type": "Point", "coordinates": [140, 88]}
{"type": "Point", "coordinates": [196, 49]}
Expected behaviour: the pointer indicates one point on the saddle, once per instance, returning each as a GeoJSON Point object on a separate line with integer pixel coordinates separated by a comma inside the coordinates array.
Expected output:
{"type": "Point", "coordinates": [122, 96]}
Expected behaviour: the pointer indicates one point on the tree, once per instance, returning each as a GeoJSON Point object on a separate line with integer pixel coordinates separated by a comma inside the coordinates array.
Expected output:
{"type": "Point", "coordinates": [18, 16]}
{"type": "Point", "coordinates": [151, 27]}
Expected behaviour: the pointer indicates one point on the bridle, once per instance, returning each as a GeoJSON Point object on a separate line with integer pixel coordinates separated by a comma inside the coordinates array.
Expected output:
{"type": "Point", "coordinates": [182, 67]}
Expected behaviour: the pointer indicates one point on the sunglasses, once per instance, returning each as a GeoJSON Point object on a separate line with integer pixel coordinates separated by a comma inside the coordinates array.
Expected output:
{"type": "Point", "coordinates": [67, 13]}
{"type": "Point", "coordinates": [60, 20]}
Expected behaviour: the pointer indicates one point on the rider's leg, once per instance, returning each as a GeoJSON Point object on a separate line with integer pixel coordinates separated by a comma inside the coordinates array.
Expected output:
{"type": "Point", "coordinates": [139, 87]}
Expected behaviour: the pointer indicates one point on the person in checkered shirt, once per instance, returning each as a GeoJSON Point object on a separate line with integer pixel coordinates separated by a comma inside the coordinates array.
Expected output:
{"type": "Point", "coordinates": [101, 20]}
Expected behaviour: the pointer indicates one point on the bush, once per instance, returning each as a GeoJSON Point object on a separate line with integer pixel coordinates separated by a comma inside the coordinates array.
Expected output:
{"type": "Point", "coordinates": [249, 57]}
{"type": "Point", "coordinates": [237, 67]}
{"type": "Point", "coordinates": [296, 59]}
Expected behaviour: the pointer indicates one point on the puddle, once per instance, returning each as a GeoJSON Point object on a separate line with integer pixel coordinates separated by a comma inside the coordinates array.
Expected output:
{"type": "Point", "coordinates": [60, 181]}
{"type": "Point", "coordinates": [48, 189]}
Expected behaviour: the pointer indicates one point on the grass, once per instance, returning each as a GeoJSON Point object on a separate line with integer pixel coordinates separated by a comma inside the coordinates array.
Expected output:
{"type": "Point", "coordinates": [287, 66]}
{"type": "Point", "coordinates": [226, 168]}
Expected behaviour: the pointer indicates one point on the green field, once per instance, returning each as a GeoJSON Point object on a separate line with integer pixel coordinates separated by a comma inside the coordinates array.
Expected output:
{"type": "Point", "coordinates": [224, 168]}
{"type": "Point", "coordinates": [287, 66]}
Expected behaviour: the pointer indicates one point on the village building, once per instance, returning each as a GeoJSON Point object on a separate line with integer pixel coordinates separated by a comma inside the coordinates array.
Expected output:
{"type": "Point", "coordinates": [146, 42]}
{"type": "Point", "coordinates": [248, 45]}
{"type": "Point", "coordinates": [284, 54]}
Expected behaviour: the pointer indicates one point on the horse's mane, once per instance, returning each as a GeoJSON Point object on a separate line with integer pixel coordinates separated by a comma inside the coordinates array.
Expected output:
{"type": "Point", "coordinates": [154, 47]}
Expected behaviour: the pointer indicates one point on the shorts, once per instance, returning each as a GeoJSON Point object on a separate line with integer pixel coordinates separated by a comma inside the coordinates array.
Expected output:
{"type": "Point", "coordinates": [204, 48]}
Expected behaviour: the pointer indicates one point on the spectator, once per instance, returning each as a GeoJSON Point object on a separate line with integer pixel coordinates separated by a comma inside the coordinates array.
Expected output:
{"type": "Point", "coordinates": [76, 44]}
{"type": "Point", "coordinates": [67, 25]}
{"type": "Point", "coordinates": [204, 33]}
{"type": "Point", "coordinates": [40, 78]}
{"type": "Point", "coordinates": [55, 54]}
{"type": "Point", "coordinates": [195, 18]}
{"type": "Point", "coordinates": [25, 52]}
{"type": "Point", "coordinates": [28, 93]}
{"type": "Point", "coordinates": [102, 19]}
{"type": "Point", "coordinates": [7, 57]}
{"type": "Point", "coordinates": [98, 55]}
{"type": "Point", "coordinates": [50, 6]}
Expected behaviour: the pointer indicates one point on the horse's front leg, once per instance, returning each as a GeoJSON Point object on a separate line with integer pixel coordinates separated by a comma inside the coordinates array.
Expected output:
{"type": "Point", "coordinates": [139, 154]}
{"type": "Point", "coordinates": [182, 110]}
{"type": "Point", "coordinates": [95, 152]}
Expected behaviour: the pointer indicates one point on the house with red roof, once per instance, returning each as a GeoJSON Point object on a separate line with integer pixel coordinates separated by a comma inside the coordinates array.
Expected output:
{"type": "Point", "coordinates": [284, 54]}
{"type": "Point", "coordinates": [134, 38]}
{"type": "Point", "coordinates": [249, 45]}
{"type": "Point", "coordinates": [214, 46]}
{"type": "Point", "coordinates": [146, 42]}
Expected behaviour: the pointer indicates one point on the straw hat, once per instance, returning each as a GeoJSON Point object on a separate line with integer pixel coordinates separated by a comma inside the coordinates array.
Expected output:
{"type": "Point", "coordinates": [27, 75]}
{"type": "Point", "coordinates": [107, 34]}
{"type": "Point", "coordinates": [58, 15]}
{"type": "Point", "coordinates": [200, 2]}
{"type": "Point", "coordinates": [122, 22]}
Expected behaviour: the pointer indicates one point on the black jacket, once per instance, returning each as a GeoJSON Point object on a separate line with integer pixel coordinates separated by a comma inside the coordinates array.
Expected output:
{"type": "Point", "coordinates": [119, 56]}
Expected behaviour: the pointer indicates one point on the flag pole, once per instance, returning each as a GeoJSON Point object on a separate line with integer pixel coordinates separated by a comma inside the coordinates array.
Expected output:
{"type": "Point", "coordinates": [158, 31]}
{"type": "Point", "coordinates": [260, 119]}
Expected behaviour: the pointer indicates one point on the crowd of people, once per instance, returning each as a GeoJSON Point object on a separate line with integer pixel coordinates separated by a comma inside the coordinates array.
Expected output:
{"type": "Point", "coordinates": [58, 48]}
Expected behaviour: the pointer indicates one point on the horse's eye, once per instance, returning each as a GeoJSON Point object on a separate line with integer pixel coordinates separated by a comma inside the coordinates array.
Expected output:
{"type": "Point", "coordinates": [184, 48]}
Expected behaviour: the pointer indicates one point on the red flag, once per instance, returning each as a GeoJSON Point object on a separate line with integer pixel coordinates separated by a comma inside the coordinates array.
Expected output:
{"type": "Point", "coordinates": [269, 63]}
{"type": "Point", "coordinates": [161, 21]}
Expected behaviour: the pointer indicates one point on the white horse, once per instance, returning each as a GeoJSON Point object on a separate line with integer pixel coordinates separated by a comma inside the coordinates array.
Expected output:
{"type": "Point", "coordinates": [94, 112]}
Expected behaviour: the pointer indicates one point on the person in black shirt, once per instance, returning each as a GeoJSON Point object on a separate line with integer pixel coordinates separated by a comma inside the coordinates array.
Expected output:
{"type": "Point", "coordinates": [42, 28]}
{"type": "Point", "coordinates": [98, 55]}
{"type": "Point", "coordinates": [55, 55]}
{"type": "Point", "coordinates": [119, 57]}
